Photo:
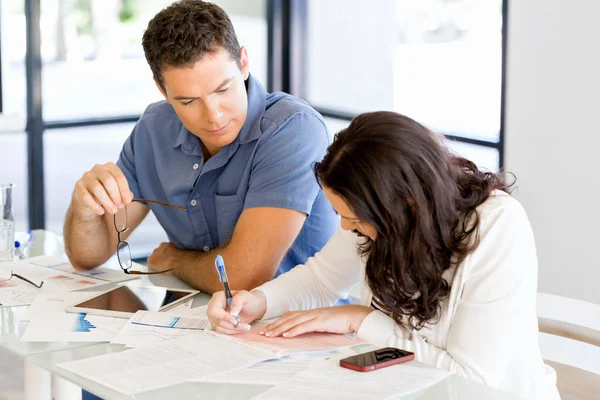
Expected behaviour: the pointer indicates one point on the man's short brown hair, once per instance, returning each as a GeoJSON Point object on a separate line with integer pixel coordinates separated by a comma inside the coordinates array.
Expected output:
{"type": "Point", "coordinates": [184, 32]}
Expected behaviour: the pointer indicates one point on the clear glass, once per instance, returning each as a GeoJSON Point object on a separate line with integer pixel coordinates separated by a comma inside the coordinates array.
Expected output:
{"type": "Point", "coordinates": [437, 61]}
{"type": "Point", "coordinates": [7, 222]}
{"type": "Point", "coordinates": [124, 255]}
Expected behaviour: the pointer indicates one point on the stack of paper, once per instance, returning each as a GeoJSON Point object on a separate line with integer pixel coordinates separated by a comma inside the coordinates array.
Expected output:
{"type": "Point", "coordinates": [176, 361]}
{"type": "Point", "coordinates": [327, 380]}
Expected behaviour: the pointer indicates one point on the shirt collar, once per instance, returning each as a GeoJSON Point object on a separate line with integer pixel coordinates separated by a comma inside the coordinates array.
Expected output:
{"type": "Point", "coordinates": [189, 143]}
{"type": "Point", "coordinates": [257, 99]}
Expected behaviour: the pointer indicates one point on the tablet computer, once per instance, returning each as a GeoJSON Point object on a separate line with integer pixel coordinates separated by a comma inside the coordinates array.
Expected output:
{"type": "Point", "coordinates": [124, 300]}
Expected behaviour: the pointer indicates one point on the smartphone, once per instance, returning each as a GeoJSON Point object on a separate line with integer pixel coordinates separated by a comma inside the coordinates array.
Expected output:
{"type": "Point", "coordinates": [377, 359]}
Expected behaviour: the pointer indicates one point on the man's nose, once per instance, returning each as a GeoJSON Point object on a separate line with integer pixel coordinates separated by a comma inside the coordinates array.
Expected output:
{"type": "Point", "coordinates": [214, 113]}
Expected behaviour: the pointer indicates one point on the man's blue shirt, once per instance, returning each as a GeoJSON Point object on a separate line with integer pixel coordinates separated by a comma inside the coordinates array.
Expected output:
{"type": "Point", "coordinates": [269, 164]}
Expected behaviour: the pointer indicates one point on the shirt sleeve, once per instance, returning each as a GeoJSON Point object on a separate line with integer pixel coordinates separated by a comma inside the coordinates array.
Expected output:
{"type": "Point", "coordinates": [282, 174]}
{"type": "Point", "coordinates": [497, 298]}
{"type": "Point", "coordinates": [320, 282]}
{"type": "Point", "coordinates": [126, 162]}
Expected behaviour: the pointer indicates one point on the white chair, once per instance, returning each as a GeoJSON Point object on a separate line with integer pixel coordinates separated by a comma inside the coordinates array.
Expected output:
{"type": "Point", "coordinates": [570, 343]}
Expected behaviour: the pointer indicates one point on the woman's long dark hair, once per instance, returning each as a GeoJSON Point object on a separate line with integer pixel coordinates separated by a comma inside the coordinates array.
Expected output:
{"type": "Point", "coordinates": [399, 177]}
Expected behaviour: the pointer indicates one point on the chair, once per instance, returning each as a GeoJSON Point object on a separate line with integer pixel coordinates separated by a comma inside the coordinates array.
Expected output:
{"type": "Point", "coordinates": [570, 343]}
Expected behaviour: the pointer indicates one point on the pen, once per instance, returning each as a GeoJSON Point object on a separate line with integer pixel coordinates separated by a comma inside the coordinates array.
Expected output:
{"type": "Point", "coordinates": [220, 266]}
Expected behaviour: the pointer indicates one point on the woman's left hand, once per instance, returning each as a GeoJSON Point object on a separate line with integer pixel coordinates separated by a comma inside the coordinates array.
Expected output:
{"type": "Point", "coordinates": [341, 319]}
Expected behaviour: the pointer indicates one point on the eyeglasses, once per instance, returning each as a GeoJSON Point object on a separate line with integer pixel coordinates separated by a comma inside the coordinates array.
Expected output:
{"type": "Point", "coordinates": [123, 251]}
{"type": "Point", "coordinates": [23, 279]}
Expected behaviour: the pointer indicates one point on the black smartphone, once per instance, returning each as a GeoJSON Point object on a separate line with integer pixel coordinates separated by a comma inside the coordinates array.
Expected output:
{"type": "Point", "coordinates": [377, 359]}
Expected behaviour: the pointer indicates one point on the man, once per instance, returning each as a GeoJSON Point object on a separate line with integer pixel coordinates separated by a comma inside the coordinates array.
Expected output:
{"type": "Point", "coordinates": [239, 160]}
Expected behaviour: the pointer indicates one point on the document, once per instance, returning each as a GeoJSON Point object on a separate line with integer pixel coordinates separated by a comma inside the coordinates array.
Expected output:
{"type": "Point", "coordinates": [101, 273]}
{"type": "Point", "coordinates": [327, 380]}
{"type": "Point", "coordinates": [183, 308]}
{"type": "Point", "coordinates": [168, 320]}
{"type": "Point", "coordinates": [49, 322]}
{"type": "Point", "coordinates": [149, 327]}
{"type": "Point", "coordinates": [17, 292]}
{"type": "Point", "coordinates": [306, 343]}
{"type": "Point", "coordinates": [270, 372]}
{"type": "Point", "coordinates": [12, 293]}
{"type": "Point", "coordinates": [181, 360]}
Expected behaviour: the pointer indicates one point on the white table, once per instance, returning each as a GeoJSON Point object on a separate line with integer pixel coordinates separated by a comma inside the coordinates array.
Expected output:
{"type": "Point", "coordinates": [41, 359]}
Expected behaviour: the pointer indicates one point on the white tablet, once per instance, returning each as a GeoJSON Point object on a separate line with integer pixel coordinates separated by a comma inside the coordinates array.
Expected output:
{"type": "Point", "coordinates": [124, 300]}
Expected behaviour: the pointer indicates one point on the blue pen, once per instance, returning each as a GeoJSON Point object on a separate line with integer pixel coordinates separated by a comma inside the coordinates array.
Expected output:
{"type": "Point", "coordinates": [220, 266]}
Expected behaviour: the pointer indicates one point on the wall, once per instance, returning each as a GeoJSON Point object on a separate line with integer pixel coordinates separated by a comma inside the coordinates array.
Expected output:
{"type": "Point", "coordinates": [552, 136]}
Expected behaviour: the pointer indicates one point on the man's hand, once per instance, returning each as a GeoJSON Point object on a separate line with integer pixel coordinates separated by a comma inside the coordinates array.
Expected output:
{"type": "Point", "coordinates": [102, 189]}
{"type": "Point", "coordinates": [89, 231]}
{"type": "Point", "coordinates": [167, 256]}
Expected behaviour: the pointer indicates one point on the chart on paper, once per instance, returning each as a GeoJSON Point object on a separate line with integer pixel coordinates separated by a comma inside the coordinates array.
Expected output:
{"type": "Point", "coordinates": [12, 294]}
{"type": "Point", "coordinates": [48, 309]}
{"type": "Point", "coordinates": [147, 327]}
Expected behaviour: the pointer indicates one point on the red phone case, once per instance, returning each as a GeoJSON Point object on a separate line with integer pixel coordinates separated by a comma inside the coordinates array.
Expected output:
{"type": "Point", "coordinates": [360, 368]}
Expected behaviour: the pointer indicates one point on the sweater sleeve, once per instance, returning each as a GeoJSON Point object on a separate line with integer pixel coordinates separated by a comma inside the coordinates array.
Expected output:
{"type": "Point", "coordinates": [500, 279]}
{"type": "Point", "coordinates": [320, 282]}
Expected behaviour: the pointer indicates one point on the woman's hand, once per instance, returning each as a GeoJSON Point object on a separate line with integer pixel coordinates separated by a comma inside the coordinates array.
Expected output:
{"type": "Point", "coordinates": [246, 307]}
{"type": "Point", "coordinates": [342, 319]}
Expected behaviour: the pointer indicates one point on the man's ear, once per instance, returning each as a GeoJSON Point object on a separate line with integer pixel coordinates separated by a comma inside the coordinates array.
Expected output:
{"type": "Point", "coordinates": [245, 62]}
{"type": "Point", "coordinates": [162, 91]}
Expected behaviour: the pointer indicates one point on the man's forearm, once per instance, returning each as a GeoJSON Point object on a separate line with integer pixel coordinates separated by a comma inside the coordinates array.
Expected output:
{"type": "Point", "coordinates": [197, 269]}
{"type": "Point", "coordinates": [87, 239]}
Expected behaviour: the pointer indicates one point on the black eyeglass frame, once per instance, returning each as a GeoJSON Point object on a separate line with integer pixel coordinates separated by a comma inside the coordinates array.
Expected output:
{"type": "Point", "coordinates": [12, 274]}
{"type": "Point", "coordinates": [122, 243]}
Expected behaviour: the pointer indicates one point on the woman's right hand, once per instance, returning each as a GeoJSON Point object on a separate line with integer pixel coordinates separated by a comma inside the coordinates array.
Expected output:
{"type": "Point", "coordinates": [246, 306]}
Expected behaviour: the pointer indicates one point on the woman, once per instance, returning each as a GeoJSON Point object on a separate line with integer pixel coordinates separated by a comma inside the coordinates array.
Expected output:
{"type": "Point", "coordinates": [444, 257]}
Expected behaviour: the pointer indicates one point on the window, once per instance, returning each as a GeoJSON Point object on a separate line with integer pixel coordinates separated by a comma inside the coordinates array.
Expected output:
{"type": "Point", "coordinates": [437, 61]}
{"type": "Point", "coordinates": [93, 64]}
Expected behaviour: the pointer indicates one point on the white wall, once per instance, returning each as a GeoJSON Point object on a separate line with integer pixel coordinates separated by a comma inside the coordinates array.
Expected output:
{"type": "Point", "coordinates": [553, 136]}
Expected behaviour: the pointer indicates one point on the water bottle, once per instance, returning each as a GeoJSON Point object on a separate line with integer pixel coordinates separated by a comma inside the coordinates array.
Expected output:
{"type": "Point", "coordinates": [7, 222]}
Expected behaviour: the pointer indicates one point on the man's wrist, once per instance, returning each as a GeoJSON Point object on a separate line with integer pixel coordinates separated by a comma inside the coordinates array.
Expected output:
{"type": "Point", "coordinates": [83, 212]}
{"type": "Point", "coordinates": [184, 258]}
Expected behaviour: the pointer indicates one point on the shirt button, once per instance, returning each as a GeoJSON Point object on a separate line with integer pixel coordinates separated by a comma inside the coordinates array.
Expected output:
{"type": "Point", "coordinates": [193, 203]}
{"type": "Point", "coordinates": [196, 166]}
{"type": "Point", "coordinates": [206, 249]}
